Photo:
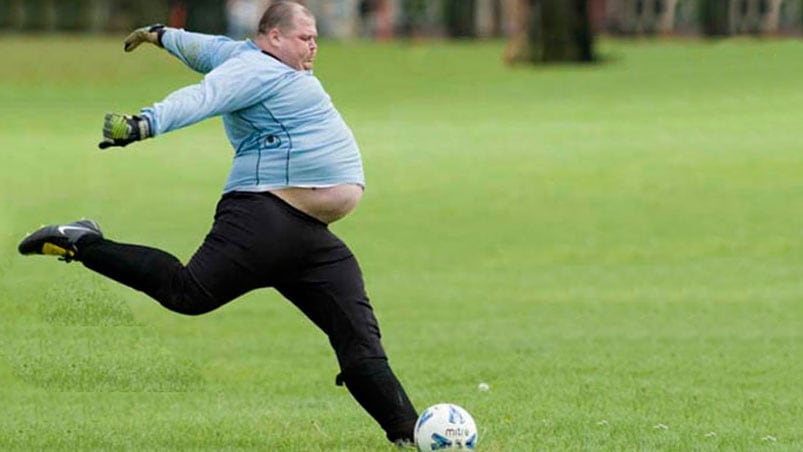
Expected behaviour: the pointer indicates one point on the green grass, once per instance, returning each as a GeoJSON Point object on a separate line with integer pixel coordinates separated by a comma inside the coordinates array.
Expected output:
{"type": "Point", "coordinates": [615, 248]}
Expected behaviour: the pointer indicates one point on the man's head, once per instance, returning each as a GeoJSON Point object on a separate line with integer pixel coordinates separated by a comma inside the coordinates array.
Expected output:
{"type": "Point", "coordinates": [287, 31]}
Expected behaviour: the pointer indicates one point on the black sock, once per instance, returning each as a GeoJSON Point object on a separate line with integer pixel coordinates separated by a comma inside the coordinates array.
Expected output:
{"type": "Point", "coordinates": [380, 393]}
{"type": "Point", "coordinates": [143, 268]}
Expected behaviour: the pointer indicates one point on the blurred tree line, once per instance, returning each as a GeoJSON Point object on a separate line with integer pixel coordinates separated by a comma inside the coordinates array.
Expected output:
{"type": "Point", "coordinates": [108, 15]}
{"type": "Point", "coordinates": [454, 18]}
{"type": "Point", "coordinates": [538, 30]}
{"type": "Point", "coordinates": [563, 30]}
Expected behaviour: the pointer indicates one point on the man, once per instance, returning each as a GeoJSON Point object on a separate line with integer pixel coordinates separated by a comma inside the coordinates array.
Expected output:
{"type": "Point", "coordinates": [296, 169]}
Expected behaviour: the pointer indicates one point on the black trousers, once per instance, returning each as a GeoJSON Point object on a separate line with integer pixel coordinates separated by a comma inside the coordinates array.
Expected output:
{"type": "Point", "coordinates": [257, 240]}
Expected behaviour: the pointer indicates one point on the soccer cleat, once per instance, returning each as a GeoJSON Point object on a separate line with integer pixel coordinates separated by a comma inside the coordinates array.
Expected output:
{"type": "Point", "coordinates": [59, 239]}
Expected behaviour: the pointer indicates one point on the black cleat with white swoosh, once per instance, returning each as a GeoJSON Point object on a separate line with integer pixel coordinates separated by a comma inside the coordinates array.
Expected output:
{"type": "Point", "coordinates": [59, 239]}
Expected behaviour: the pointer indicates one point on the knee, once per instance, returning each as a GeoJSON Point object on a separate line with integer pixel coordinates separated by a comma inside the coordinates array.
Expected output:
{"type": "Point", "coordinates": [186, 296]}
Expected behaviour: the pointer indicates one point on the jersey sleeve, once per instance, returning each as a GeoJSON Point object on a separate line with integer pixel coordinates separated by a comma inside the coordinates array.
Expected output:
{"type": "Point", "coordinates": [200, 52]}
{"type": "Point", "coordinates": [232, 86]}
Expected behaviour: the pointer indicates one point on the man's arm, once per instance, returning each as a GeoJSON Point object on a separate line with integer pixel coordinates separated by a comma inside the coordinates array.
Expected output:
{"type": "Point", "coordinates": [232, 86]}
{"type": "Point", "coordinates": [198, 51]}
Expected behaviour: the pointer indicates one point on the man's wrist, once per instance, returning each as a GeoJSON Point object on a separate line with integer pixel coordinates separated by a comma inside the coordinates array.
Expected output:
{"type": "Point", "coordinates": [146, 116]}
{"type": "Point", "coordinates": [159, 35]}
{"type": "Point", "coordinates": [143, 125]}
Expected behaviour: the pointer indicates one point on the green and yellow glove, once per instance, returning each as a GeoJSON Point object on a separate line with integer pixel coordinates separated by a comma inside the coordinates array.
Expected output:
{"type": "Point", "coordinates": [121, 130]}
{"type": "Point", "coordinates": [151, 33]}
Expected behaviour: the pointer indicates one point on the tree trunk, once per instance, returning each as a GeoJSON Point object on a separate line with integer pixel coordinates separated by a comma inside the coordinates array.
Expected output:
{"type": "Point", "coordinates": [554, 31]}
{"type": "Point", "coordinates": [716, 17]}
{"type": "Point", "coordinates": [565, 31]}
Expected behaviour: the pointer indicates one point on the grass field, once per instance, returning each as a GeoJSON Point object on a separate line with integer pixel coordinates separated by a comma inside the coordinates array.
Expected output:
{"type": "Point", "coordinates": [615, 249]}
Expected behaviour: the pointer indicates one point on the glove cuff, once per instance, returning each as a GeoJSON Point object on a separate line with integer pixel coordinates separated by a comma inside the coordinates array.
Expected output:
{"type": "Point", "coordinates": [159, 34]}
{"type": "Point", "coordinates": [143, 125]}
{"type": "Point", "coordinates": [159, 29]}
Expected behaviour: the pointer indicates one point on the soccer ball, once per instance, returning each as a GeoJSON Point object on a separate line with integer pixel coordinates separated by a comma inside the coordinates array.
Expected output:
{"type": "Point", "coordinates": [445, 426]}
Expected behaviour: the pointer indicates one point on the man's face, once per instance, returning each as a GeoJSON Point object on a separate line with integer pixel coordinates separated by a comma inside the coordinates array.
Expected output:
{"type": "Point", "coordinates": [298, 45]}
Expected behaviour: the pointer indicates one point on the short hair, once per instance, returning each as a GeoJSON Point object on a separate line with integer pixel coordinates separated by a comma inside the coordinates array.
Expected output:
{"type": "Point", "coordinates": [280, 14]}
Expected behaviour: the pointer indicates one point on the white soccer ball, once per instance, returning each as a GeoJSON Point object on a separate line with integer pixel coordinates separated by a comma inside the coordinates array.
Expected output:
{"type": "Point", "coordinates": [445, 426]}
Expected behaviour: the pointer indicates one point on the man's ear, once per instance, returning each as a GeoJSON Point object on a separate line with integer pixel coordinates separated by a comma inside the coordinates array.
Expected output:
{"type": "Point", "coordinates": [274, 36]}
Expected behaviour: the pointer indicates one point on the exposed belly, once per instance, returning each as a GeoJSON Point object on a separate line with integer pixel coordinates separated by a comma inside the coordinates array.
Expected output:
{"type": "Point", "coordinates": [327, 204]}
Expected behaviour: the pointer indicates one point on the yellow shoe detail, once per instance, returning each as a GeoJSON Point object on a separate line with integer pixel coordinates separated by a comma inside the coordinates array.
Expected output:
{"type": "Point", "coordinates": [53, 250]}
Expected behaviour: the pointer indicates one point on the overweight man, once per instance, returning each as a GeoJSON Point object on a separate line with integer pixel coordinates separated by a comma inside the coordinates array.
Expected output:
{"type": "Point", "coordinates": [296, 169]}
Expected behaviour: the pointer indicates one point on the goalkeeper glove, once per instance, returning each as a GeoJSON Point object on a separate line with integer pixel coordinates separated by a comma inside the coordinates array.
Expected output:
{"type": "Point", "coordinates": [120, 130]}
{"type": "Point", "coordinates": [151, 33]}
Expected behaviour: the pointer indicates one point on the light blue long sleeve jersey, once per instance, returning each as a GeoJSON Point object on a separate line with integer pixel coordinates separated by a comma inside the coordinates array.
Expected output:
{"type": "Point", "coordinates": [281, 123]}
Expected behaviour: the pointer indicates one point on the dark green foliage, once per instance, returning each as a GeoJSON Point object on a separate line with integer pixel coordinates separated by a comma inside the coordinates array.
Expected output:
{"type": "Point", "coordinates": [207, 16]}
{"type": "Point", "coordinates": [72, 15]}
{"type": "Point", "coordinates": [35, 15]}
{"type": "Point", "coordinates": [459, 18]}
